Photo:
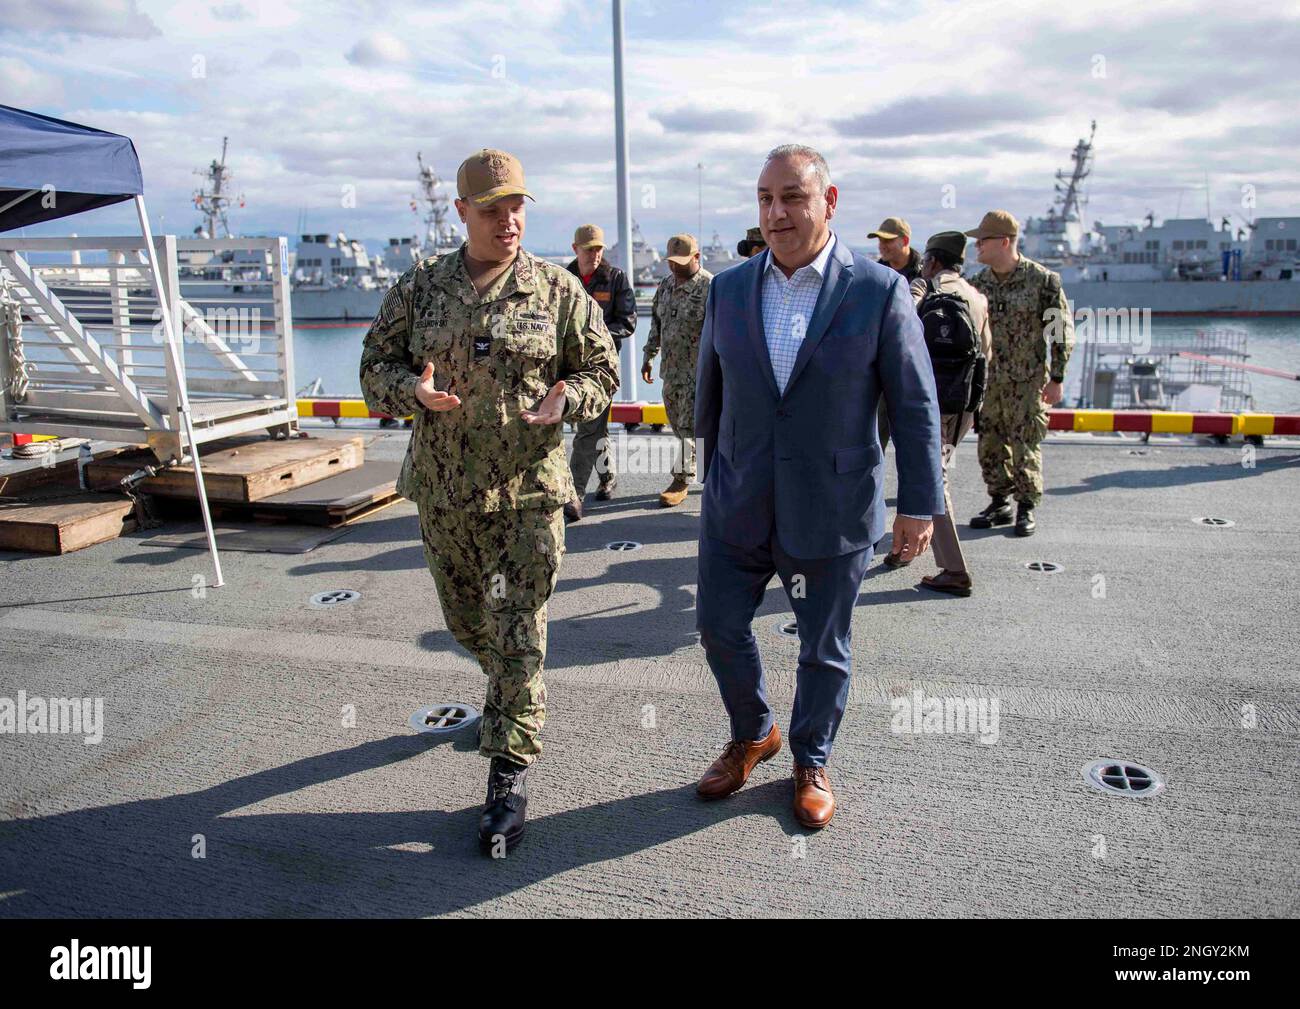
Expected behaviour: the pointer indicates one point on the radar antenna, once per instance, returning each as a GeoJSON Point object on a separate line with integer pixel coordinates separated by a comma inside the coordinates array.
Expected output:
{"type": "Point", "coordinates": [213, 200]}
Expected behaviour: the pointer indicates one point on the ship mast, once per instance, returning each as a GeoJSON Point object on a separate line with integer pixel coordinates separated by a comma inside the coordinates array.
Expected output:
{"type": "Point", "coordinates": [1068, 196]}
{"type": "Point", "coordinates": [439, 232]}
{"type": "Point", "coordinates": [212, 202]}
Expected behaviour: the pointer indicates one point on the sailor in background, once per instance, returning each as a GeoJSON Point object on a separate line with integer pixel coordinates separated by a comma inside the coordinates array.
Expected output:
{"type": "Point", "coordinates": [676, 319]}
{"type": "Point", "coordinates": [1033, 334]}
{"type": "Point", "coordinates": [490, 348]}
{"type": "Point", "coordinates": [752, 244]}
{"type": "Point", "coordinates": [894, 239]}
{"type": "Point", "coordinates": [955, 319]}
{"type": "Point", "coordinates": [609, 287]}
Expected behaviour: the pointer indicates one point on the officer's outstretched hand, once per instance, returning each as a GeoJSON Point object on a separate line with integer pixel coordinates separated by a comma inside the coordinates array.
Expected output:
{"type": "Point", "coordinates": [551, 409]}
{"type": "Point", "coordinates": [647, 375]}
{"type": "Point", "coordinates": [911, 537]}
{"type": "Point", "coordinates": [432, 398]}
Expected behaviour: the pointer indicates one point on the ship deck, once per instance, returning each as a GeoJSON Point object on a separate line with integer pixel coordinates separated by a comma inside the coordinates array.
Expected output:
{"type": "Point", "coordinates": [1162, 641]}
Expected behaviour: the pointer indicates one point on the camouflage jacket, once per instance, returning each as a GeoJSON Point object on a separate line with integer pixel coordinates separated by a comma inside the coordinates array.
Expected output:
{"type": "Point", "coordinates": [500, 353]}
{"type": "Point", "coordinates": [676, 321]}
{"type": "Point", "coordinates": [1028, 313]}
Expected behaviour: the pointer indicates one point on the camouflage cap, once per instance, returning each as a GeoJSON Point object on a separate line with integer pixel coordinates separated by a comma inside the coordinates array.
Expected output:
{"type": "Point", "coordinates": [490, 174]}
{"type": "Point", "coordinates": [892, 227]}
{"type": "Point", "coordinates": [589, 236]}
{"type": "Point", "coordinates": [952, 242]}
{"type": "Point", "coordinates": [681, 248]}
{"type": "Point", "coordinates": [996, 224]}
{"type": "Point", "coordinates": [755, 236]}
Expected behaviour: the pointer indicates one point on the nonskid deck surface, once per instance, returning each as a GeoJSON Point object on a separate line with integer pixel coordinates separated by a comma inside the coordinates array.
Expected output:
{"type": "Point", "coordinates": [271, 736]}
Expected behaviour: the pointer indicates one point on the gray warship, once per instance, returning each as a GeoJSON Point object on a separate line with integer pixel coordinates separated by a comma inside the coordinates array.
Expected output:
{"type": "Point", "coordinates": [334, 278]}
{"type": "Point", "coordinates": [1190, 266]}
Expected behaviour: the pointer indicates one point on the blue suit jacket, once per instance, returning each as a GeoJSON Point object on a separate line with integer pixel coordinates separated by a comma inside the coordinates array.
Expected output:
{"type": "Point", "coordinates": [810, 460]}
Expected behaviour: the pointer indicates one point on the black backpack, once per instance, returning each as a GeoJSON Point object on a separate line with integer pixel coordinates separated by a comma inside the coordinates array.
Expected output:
{"type": "Point", "coordinates": [953, 345]}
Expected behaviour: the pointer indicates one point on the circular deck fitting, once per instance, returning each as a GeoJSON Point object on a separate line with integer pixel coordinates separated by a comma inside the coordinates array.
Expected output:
{"type": "Point", "coordinates": [623, 545]}
{"type": "Point", "coordinates": [1206, 520]}
{"type": "Point", "coordinates": [1045, 567]}
{"type": "Point", "coordinates": [1122, 777]}
{"type": "Point", "coordinates": [789, 628]}
{"type": "Point", "coordinates": [442, 718]}
{"type": "Point", "coordinates": [334, 597]}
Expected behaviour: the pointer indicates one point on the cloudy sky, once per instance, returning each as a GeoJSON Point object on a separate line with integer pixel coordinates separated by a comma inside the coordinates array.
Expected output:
{"type": "Point", "coordinates": [933, 110]}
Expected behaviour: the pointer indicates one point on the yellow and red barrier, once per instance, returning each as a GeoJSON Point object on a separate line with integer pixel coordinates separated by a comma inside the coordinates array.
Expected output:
{"type": "Point", "coordinates": [1140, 421]}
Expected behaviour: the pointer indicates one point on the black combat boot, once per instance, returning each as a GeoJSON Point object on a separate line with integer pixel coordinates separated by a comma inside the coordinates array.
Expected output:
{"type": "Point", "coordinates": [998, 513]}
{"type": "Point", "coordinates": [1025, 519]}
{"type": "Point", "coordinates": [506, 806]}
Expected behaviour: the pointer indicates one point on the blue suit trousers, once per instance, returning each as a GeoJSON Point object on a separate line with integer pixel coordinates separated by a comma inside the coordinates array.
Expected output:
{"type": "Point", "coordinates": [822, 592]}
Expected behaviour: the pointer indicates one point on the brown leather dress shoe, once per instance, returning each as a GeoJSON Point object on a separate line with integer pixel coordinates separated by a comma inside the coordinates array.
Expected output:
{"type": "Point", "coordinates": [731, 770]}
{"type": "Point", "coordinates": [814, 803]}
{"type": "Point", "coordinates": [955, 583]}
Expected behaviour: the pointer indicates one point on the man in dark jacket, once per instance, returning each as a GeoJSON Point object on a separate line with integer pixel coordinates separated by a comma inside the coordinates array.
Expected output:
{"type": "Point", "coordinates": [609, 286]}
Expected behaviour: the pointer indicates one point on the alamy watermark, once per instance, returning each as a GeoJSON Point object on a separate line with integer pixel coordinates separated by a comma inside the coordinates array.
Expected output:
{"type": "Point", "coordinates": [1101, 325]}
{"type": "Point", "coordinates": [923, 715]}
{"type": "Point", "coordinates": [25, 715]}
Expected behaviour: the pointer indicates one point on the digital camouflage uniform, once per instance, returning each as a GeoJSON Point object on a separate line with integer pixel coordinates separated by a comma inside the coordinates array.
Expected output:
{"type": "Point", "coordinates": [1013, 420]}
{"type": "Point", "coordinates": [489, 485]}
{"type": "Point", "coordinates": [676, 321]}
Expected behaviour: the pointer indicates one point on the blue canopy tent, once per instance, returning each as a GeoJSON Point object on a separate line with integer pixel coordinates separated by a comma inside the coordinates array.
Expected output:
{"type": "Point", "coordinates": [50, 168]}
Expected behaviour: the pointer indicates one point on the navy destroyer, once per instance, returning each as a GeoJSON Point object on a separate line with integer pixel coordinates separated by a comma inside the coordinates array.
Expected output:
{"type": "Point", "coordinates": [1189, 266]}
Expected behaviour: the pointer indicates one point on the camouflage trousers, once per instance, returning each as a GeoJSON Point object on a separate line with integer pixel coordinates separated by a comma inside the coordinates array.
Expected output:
{"type": "Point", "coordinates": [679, 404]}
{"type": "Point", "coordinates": [495, 572]}
{"type": "Point", "coordinates": [591, 450]}
{"type": "Point", "coordinates": [1013, 423]}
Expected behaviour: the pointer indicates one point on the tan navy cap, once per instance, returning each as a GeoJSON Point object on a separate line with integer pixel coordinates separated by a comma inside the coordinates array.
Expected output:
{"type": "Point", "coordinates": [996, 224]}
{"type": "Point", "coordinates": [892, 227]}
{"type": "Point", "coordinates": [489, 175]}
{"type": "Point", "coordinates": [681, 248]}
{"type": "Point", "coordinates": [589, 236]}
{"type": "Point", "coordinates": [755, 236]}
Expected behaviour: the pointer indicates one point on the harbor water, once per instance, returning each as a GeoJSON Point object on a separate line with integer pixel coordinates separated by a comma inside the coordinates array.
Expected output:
{"type": "Point", "coordinates": [333, 354]}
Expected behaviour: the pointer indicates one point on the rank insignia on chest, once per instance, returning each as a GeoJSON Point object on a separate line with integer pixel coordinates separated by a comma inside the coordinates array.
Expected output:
{"type": "Point", "coordinates": [482, 345]}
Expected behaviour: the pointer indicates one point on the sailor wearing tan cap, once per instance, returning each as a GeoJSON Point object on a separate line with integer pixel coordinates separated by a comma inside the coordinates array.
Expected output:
{"type": "Point", "coordinates": [894, 237]}
{"type": "Point", "coordinates": [676, 320]}
{"type": "Point", "coordinates": [609, 287]}
{"type": "Point", "coordinates": [490, 348]}
{"type": "Point", "coordinates": [1028, 314]}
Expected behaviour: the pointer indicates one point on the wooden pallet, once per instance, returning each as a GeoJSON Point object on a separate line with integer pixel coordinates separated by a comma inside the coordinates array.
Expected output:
{"type": "Point", "coordinates": [58, 525]}
{"type": "Point", "coordinates": [18, 477]}
{"type": "Point", "coordinates": [335, 501]}
{"type": "Point", "coordinates": [239, 470]}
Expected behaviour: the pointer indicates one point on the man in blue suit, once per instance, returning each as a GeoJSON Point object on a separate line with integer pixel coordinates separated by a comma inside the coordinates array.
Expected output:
{"type": "Point", "coordinates": [799, 343]}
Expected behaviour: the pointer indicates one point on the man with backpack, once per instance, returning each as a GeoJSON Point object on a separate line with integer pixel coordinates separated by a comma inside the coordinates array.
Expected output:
{"type": "Point", "coordinates": [955, 318]}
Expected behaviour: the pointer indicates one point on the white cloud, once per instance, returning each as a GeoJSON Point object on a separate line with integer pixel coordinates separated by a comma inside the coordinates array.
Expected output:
{"type": "Point", "coordinates": [22, 84]}
{"type": "Point", "coordinates": [108, 18]}
{"type": "Point", "coordinates": [379, 50]}
{"type": "Point", "coordinates": [902, 98]}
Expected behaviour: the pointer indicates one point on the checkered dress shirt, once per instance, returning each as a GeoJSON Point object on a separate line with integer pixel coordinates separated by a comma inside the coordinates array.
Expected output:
{"type": "Point", "coordinates": [788, 305]}
{"type": "Point", "coordinates": [788, 309]}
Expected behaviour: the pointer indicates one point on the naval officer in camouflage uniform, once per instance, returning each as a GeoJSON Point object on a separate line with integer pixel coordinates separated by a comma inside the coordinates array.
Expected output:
{"type": "Point", "coordinates": [490, 348]}
{"type": "Point", "coordinates": [1033, 334]}
{"type": "Point", "coordinates": [676, 321]}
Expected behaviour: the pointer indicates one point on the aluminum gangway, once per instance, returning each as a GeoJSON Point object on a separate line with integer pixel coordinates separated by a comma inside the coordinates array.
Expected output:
{"type": "Point", "coordinates": [86, 353]}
